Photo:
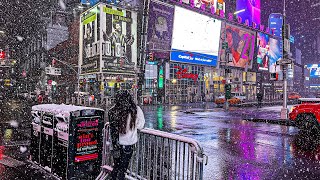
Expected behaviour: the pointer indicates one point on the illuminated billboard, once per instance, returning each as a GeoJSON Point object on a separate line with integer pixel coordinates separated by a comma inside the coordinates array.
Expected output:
{"type": "Point", "coordinates": [197, 41]}
{"type": "Point", "coordinates": [275, 23]}
{"type": "Point", "coordinates": [275, 54]}
{"type": "Point", "coordinates": [263, 46]}
{"type": "Point", "coordinates": [251, 10]}
{"type": "Point", "coordinates": [237, 46]}
{"type": "Point", "coordinates": [314, 70]}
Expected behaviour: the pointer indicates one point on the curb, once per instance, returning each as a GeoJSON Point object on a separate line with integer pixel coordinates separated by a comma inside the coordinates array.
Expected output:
{"type": "Point", "coordinates": [284, 122]}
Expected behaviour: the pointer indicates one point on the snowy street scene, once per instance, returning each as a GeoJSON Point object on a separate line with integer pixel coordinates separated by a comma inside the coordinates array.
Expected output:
{"type": "Point", "coordinates": [159, 90]}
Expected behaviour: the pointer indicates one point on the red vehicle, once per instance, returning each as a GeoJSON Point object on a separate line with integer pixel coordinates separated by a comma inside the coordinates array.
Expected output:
{"type": "Point", "coordinates": [294, 95]}
{"type": "Point", "coordinates": [306, 114]}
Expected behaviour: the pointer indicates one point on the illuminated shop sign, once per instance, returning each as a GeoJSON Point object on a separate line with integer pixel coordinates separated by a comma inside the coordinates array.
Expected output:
{"type": "Point", "coordinates": [182, 73]}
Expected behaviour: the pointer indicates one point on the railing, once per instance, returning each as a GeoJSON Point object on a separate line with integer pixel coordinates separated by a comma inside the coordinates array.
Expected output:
{"type": "Point", "coordinates": [159, 155]}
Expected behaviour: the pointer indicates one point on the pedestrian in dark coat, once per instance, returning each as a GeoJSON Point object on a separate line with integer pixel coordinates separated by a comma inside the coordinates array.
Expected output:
{"type": "Point", "coordinates": [259, 97]}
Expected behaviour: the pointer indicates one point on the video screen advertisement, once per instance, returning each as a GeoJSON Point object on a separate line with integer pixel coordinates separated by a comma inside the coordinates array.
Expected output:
{"type": "Point", "coordinates": [275, 54]}
{"type": "Point", "coordinates": [263, 47]}
{"type": "Point", "coordinates": [237, 46]}
{"type": "Point", "coordinates": [314, 70]}
{"type": "Point", "coordinates": [251, 11]}
{"type": "Point", "coordinates": [195, 42]}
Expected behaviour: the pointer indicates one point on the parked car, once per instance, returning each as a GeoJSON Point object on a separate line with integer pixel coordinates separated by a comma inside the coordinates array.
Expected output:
{"type": "Point", "coordinates": [294, 96]}
{"type": "Point", "coordinates": [221, 100]}
{"type": "Point", "coordinates": [240, 96]}
{"type": "Point", "coordinates": [306, 114]}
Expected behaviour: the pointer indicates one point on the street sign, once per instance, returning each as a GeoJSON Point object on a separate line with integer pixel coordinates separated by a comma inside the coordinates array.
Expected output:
{"type": "Point", "coordinates": [287, 45]}
{"type": "Point", "coordinates": [290, 73]}
{"type": "Point", "coordinates": [291, 39]}
{"type": "Point", "coordinates": [284, 61]}
{"type": "Point", "coordinates": [53, 71]}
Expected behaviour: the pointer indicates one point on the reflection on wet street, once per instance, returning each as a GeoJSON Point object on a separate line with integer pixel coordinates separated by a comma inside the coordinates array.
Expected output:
{"type": "Point", "coordinates": [239, 149]}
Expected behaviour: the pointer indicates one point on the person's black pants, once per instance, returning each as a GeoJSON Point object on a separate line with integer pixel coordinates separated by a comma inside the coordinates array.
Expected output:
{"type": "Point", "coordinates": [121, 164]}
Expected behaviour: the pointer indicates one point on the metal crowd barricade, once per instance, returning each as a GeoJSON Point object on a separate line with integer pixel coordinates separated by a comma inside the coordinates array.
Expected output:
{"type": "Point", "coordinates": [159, 155]}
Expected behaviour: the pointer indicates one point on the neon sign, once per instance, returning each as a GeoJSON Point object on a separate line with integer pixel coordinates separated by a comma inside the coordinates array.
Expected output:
{"type": "Point", "coordinates": [182, 73]}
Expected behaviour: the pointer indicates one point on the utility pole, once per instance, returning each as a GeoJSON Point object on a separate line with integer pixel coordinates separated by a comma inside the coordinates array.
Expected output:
{"type": "Point", "coordinates": [284, 110]}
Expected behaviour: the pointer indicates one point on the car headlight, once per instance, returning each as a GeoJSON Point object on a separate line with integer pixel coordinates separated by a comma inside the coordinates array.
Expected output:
{"type": "Point", "coordinates": [292, 108]}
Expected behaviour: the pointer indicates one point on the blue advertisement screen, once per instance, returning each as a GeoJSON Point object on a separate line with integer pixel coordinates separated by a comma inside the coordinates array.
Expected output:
{"type": "Point", "coordinates": [91, 2]}
{"type": "Point", "coordinates": [275, 22]}
{"type": "Point", "coordinates": [197, 41]}
{"type": "Point", "coordinates": [314, 70]}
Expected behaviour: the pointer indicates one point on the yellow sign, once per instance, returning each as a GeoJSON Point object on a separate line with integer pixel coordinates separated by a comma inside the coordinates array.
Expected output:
{"type": "Point", "coordinates": [112, 11]}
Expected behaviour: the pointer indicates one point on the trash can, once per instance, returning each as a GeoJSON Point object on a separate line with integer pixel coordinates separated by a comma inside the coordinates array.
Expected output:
{"type": "Point", "coordinates": [70, 140]}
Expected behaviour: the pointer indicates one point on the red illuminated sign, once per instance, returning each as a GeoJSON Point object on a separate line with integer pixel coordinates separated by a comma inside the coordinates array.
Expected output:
{"type": "Point", "coordinates": [182, 73]}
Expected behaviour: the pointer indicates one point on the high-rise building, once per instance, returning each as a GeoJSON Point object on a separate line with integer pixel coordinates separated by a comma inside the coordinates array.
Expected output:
{"type": "Point", "coordinates": [303, 27]}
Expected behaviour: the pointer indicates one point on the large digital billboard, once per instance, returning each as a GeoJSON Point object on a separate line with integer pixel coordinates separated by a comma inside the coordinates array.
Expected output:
{"type": "Point", "coordinates": [251, 10]}
{"type": "Point", "coordinates": [275, 54]}
{"type": "Point", "coordinates": [237, 46]}
{"type": "Point", "coordinates": [197, 41]}
{"type": "Point", "coordinates": [275, 23]}
{"type": "Point", "coordinates": [263, 46]}
{"type": "Point", "coordinates": [314, 70]}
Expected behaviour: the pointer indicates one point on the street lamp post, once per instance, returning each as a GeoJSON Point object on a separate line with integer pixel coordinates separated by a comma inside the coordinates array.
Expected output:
{"type": "Point", "coordinates": [284, 110]}
{"type": "Point", "coordinates": [78, 73]}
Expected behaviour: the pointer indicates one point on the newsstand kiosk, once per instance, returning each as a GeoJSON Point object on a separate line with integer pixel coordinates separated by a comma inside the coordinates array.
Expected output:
{"type": "Point", "coordinates": [66, 140]}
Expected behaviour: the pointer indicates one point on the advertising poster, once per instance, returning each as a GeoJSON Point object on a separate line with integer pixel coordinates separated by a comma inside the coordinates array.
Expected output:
{"type": "Point", "coordinates": [275, 54]}
{"type": "Point", "coordinates": [263, 51]}
{"type": "Point", "coordinates": [86, 139]}
{"type": "Point", "coordinates": [160, 26]}
{"type": "Point", "coordinates": [197, 41]}
{"type": "Point", "coordinates": [237, 46]}
{"type": "Point", "coordinates": [251, 11]}
{"type": "Point", "coordinates": [314, 70]}
{"type": "Point", "coordinates": [119, 40]}
{"type": "Point", "coordinates": [90, 43]}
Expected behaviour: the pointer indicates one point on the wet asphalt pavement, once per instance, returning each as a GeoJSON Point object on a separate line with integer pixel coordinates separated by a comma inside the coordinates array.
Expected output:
{"type": "Point", "coordinates": [240, 149]}
{"type": "Point", "coordinates": [236, 148]}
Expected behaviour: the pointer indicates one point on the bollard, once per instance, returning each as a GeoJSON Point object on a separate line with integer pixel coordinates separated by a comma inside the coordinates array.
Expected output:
{"type": "Point", "coordinates": [96, 102]}
{"type": "Point", "coordinates": [67, 100]}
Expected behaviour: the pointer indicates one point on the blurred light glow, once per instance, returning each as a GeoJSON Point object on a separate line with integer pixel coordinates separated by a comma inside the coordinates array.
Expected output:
{"type": "Point", "coordinates": [240, 11]}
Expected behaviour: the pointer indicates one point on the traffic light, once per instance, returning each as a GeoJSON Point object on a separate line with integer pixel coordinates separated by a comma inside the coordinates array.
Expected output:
{"type": "Point", "coordinates": [286, 31]}
{"type": "Point", "coordinates": [227, 88]}
{"type": "Point", "coordinates": [150, 56]}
